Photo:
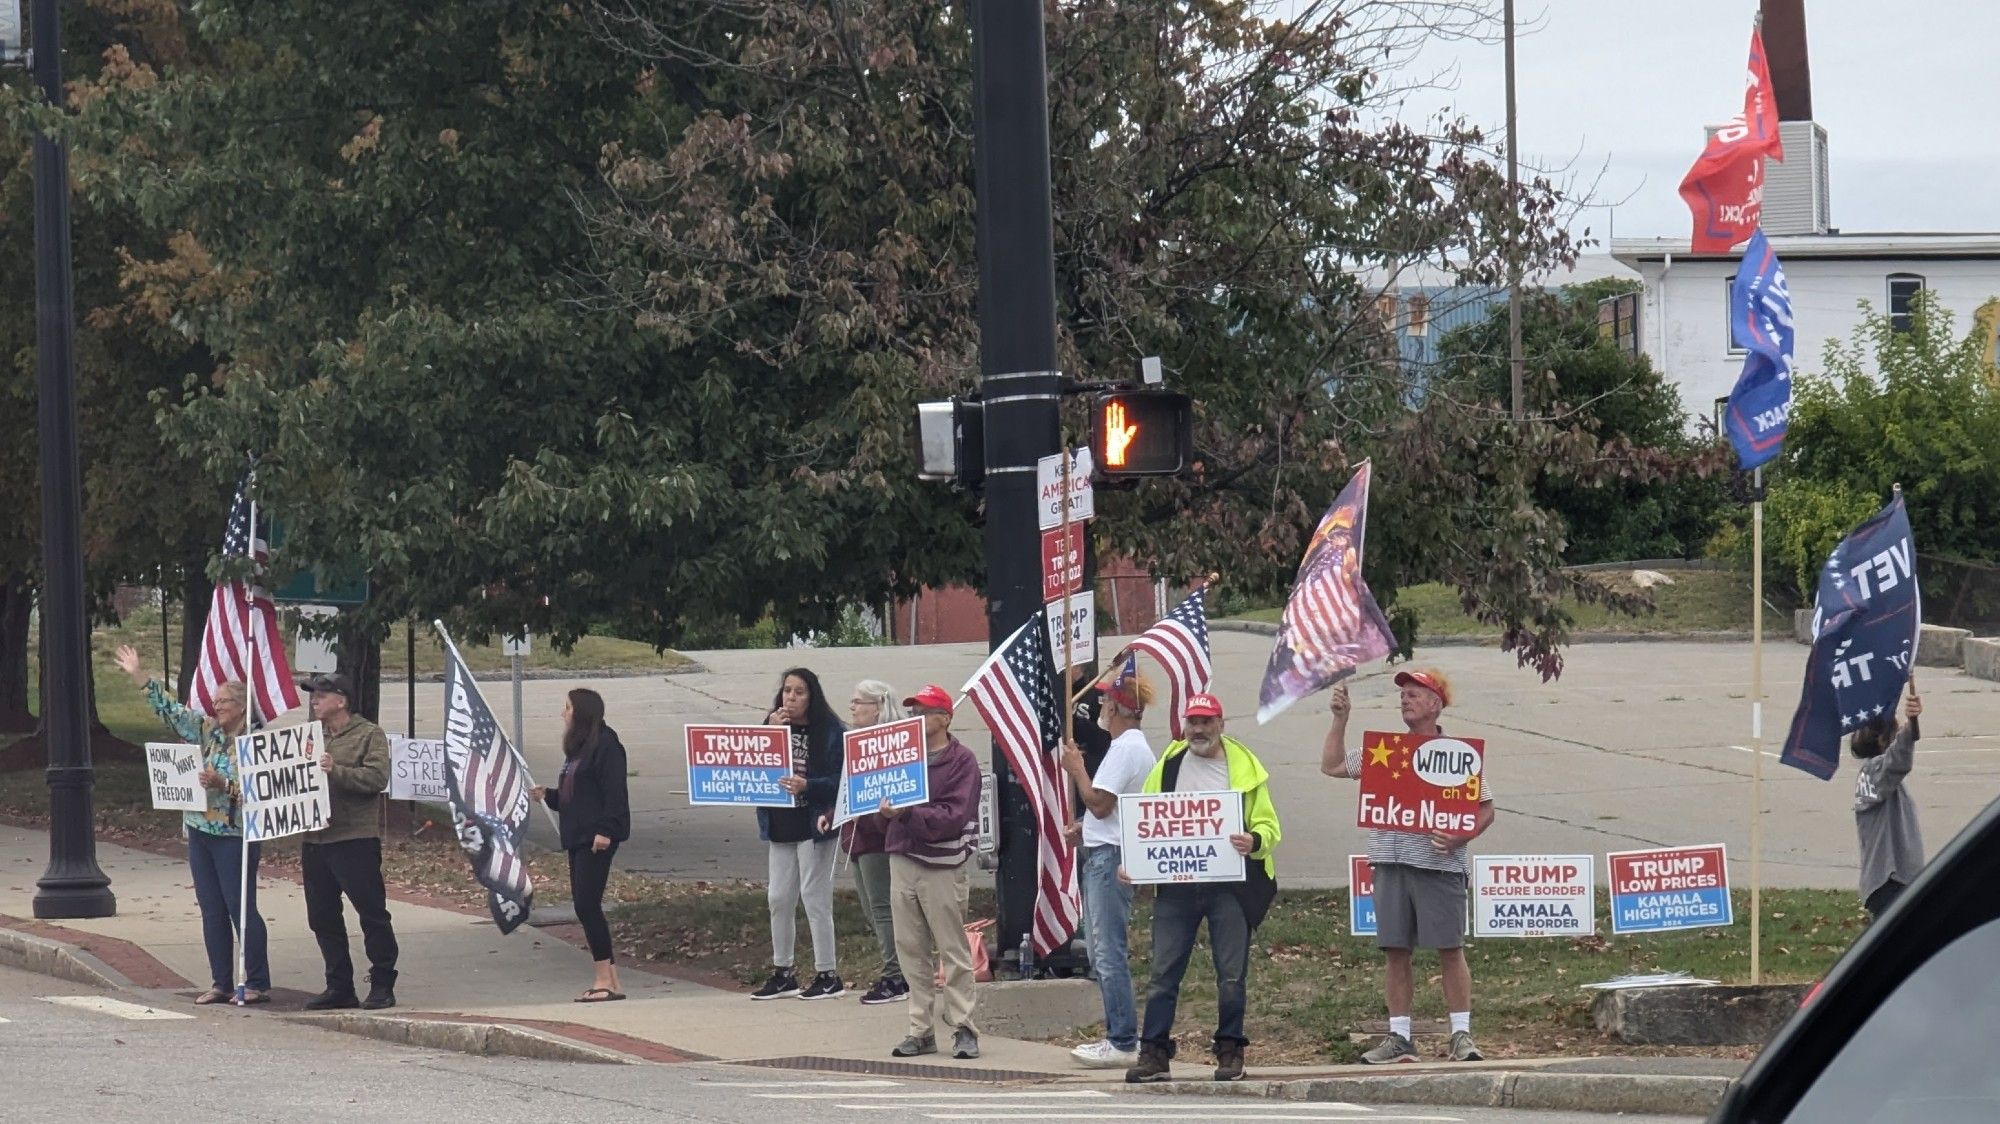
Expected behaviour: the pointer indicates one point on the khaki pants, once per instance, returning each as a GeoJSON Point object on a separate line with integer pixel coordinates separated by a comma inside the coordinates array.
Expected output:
{"type": "Point", "coordinates": [928, 904]}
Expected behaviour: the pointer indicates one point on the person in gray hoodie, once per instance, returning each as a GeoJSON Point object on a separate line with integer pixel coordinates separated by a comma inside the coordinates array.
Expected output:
{"type": "Point", "coordinates": [1885, 814]}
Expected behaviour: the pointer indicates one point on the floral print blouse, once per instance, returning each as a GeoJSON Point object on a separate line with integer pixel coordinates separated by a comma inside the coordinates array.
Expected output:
{"type": "Point", "coordinates": [217, 748]}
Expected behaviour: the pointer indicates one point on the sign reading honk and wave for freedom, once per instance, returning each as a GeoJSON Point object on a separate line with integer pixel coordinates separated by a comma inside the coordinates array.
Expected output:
{"type": "Point", "coordinates": [1181, 836]}
{"type": "Point", "coordinates": [1418, 783]}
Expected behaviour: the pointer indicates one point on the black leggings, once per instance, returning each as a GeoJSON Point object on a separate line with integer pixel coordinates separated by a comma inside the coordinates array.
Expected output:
{"type": "Point", "coordinates": [588, 872]}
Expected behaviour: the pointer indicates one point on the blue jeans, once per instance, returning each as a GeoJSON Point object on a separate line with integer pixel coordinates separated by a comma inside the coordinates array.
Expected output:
{"type": "Point", "coordinates": [1107, 906]}
{"type": "Point", "coordinates": [215, 860]}
{"type": "Point", "coordinates": [1178, 912]}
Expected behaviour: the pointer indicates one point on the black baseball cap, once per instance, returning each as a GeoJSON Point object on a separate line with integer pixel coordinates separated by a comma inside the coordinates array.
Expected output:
{"type": "Point", "coordinates": [339, 684]}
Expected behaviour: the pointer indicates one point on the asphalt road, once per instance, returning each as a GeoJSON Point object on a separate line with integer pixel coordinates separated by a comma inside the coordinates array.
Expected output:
{"type": "Point", "coordinates": [114, 1061]}
{"type": "Point", "coordinates": [1636, 745]}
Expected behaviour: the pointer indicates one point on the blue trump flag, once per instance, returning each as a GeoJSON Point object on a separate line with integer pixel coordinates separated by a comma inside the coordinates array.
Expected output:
{"type": "Point", "coordinates": [1760, 321]}
{"type": "Point", "coordinates": [1864, 639]}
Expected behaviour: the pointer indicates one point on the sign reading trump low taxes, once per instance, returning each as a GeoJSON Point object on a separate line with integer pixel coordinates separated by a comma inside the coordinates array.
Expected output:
{"type": "Point", "coordinates": [1360, 896]}
{"type": "Point", "coordinates": [285, 791]}
{"type": "Point", "coordinates": [1534, 895]}
{"type": "Point", "coordinates": [739, 765]}
{"type": "Point", "coordinates": [173, 772]}
{"type": "Point", "coordinates": [1418, 783]}
{"type": "Point", "coordinates": [416, 769]}
{"type": "Point", "coordinates": [883, 762]}
{"type": "Point", "coordinates": [1669, 888]}
{"type": "Point", "coordinates": [1180, 836]}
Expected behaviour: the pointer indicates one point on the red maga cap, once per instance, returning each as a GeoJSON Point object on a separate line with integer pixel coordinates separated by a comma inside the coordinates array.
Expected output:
{"type": "Point", "coordinates": [1203, 706]}
{"type": "Point", "coordinates": [932, 697]}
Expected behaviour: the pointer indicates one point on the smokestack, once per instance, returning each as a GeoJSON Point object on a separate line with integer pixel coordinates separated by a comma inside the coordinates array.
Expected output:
{"type": "Point", "coordinates": [1785, 51]}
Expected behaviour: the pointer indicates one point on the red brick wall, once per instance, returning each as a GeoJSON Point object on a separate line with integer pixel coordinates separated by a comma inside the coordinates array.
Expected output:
{"type": "Point", "coordinates": [957, 614]}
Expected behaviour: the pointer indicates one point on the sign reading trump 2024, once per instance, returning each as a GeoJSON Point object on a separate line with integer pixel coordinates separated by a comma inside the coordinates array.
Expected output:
{"type": "Point", "coordinates": [739, 765]}
{"type": "Point", "coordinates": [285, 791]}
{"type": "Point", "coordinates": [1669, 888]}
{"type": "Point", "coordinates": [1534, 895]}
{"type": "Point", "coordinates": [884, 762]}
{"type": "Point", "coordinates": [1181, 836]}
{"type": "Point", "coordinates": [1411, 782]}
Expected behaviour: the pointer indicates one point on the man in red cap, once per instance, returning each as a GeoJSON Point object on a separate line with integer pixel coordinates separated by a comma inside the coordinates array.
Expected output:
{"type": "Point", "coordinates": [1420, 881]}
{"type": "Point", "coordinates": [1209, 762]}
{"type": "Point", "coordinates": [928, 846]}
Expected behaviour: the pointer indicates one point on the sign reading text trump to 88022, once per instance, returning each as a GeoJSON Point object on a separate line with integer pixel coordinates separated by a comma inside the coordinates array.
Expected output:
{"type": "Point", "coordinates": [1534, 895]}
{"type": "Point", "coordinates": [284, 789]}
{"type": "Point", "coordinates": [1180, 836]}
{"type": "Point", "coordinates": [1419, 783]}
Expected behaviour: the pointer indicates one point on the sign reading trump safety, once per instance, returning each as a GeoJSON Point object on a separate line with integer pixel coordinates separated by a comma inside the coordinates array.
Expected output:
{"type": "Point", "coordinates": [1418, 783]}
{"type": "Point", "coordinates": [1181, 836]}
{"type": "Point", "coordinates": [285, 791]}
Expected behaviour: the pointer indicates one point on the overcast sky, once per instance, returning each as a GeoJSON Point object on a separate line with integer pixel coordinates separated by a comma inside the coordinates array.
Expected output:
{"type": "Point", "coordinates": [1907, 90]}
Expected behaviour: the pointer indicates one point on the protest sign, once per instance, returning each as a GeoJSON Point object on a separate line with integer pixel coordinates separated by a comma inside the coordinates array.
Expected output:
{"type": "Point", "coordinates": [1081, 633]}
{"type": "Point", "coordinates": [1360, 896]}
{"type": "Point", "coordinates": [1418, 783]}
{"type": "Point", "coordinates": [1049, 489]}
{"type": "Point", "coordinates": [880, 763]}
{"type": "Point", "coordinates": [1534, 895]}
{"type": "Point", "coordinates": [1181, 836]}
{"type": "Point", "coordinates": [1669, 888]}
{"type": "Point", "coordinates": [285, 791]}
{"type": "Point", "coordinates": [416, 769]}
{"type": "Point", "coordinates": [173, 772]}
{"type": "Point", "coordinates": [739, 765]}
{"type": "Point", "coordinates": [1062, 562]}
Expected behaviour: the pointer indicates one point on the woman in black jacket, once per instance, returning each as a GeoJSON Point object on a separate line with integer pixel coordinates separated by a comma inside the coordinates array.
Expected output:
{"type": "Point", "coordinates": [596, 817]}
{"type": "Point", "coordinates": [801, 855]}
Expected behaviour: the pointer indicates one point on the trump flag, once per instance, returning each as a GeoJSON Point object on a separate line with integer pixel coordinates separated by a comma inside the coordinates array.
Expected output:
{"type": "Point", "coordinates": [1331, 624]}
{"type": "Point", "coordinates": [1725, 188]}
{"type": "Point", "coordinates": [1760, 321]}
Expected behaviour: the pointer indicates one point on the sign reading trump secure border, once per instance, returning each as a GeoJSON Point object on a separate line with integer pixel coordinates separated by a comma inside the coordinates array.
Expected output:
{"type": "Point", "coordinates": [1180, 836]}
{"type": "Point", "coordinates": [285, 791]}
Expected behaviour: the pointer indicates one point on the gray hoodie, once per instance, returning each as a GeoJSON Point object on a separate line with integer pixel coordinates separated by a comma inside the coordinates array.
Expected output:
{"type": "Point", "coordinates": [1885, 815]}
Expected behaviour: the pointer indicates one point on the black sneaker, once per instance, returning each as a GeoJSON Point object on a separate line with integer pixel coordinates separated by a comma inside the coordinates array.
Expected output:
{"type": "Point", "coordinates": [333, 1000]}
{"type": "Point", "coordinates": [825, 985]}
{"type": "Point", "coordinates": [782, 985]}
{"type": "Point", "coordinates": [886, 990]}
{"type": "Point", "coordinates": [381, 991]}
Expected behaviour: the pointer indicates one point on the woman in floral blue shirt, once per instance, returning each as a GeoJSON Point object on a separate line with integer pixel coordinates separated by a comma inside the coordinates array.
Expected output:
{"type": "Point", "coordinates": [215, 837]}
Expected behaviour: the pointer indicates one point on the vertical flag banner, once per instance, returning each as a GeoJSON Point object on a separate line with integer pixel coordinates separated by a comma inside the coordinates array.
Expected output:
{"type": "Point", "coordinates": [1760, 321]}
{"type": "Point", "coordinates": [1865, 623]}
{"type": "Point", "coordinates": [1331, 624]}
{"type": "Point", "coordinates": [1014, 691]}
{"type": "Point", "coordinates": [1178, 642]}
{"type": "Point", "coordinates": [487, 784]}
{"type": "Point", "coordinates": [1725, 188]}
{"type": "Point", "coordinates": [242, 617]}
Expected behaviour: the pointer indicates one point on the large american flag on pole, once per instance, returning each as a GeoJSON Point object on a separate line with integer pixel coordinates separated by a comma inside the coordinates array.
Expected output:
{"type": "Point", "coordinates": [1178, 642]}
{"type": "Point", "coordinates": [1331, 624]}
{"type": "Point", "coordinates": [241, 642]}
{"type": "Point", "coordinates": [1015, 693]}
{"type": "Point", "coordinates": [487, 784]}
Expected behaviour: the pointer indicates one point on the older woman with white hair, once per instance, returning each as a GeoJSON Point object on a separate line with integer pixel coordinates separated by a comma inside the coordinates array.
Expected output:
{"type": "Point", "coordinates": [865, 840]}
{"type": "Point", "coordinates": [215, 837]}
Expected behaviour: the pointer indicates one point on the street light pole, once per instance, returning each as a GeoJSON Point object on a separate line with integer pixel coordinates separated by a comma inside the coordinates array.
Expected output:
{"type": "Point", "coordinates": [73, 886]}
{"type": "Point", "coordinates": [1515, 364]}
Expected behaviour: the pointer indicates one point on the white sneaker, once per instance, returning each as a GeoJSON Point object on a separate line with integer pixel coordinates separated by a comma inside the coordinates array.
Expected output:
{"type": "Point", "coordinates": [1103, 1055]}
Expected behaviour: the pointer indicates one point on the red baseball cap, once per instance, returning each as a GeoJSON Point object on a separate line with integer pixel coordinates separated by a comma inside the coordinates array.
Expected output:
{"type": "Point", "coordinates": [1430, 680]}
{"type": "Point", "coordinates": [1203, 706]}
{"type": "Point", "coordinates": [931, 697]}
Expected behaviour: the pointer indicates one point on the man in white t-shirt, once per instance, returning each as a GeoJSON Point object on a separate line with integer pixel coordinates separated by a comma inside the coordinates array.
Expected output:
{"type": "Point", "coordinates": [1107, 901]}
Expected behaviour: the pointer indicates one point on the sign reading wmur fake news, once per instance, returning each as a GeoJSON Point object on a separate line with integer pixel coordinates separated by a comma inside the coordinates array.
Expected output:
{"type": "Point", "coordinates": [1421, 784]}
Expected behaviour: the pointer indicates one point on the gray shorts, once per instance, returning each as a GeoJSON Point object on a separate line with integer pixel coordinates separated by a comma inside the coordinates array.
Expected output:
{"type": "Point", "coordinates": [1419, 908]}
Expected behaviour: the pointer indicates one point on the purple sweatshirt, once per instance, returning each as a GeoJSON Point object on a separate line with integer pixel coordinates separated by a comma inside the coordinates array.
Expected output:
{"type": "Point", "coordinates": [940, 833]}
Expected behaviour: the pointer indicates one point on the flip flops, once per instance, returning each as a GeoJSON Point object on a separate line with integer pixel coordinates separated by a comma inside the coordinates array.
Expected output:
{"type": "Point", "coordinates": [212, 995]}
{"type": "Point", "coordinates": [600, 995]}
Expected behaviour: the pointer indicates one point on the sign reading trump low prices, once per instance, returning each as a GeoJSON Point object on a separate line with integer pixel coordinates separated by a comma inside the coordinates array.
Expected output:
{"type": "Point", "coordinates": [285, 791]}
{"type": "Point", "coordinates": [1534, 895]}
{"type": "Point", "coordinates": [739, 765]}
{"type": "Point", "coordinates": [880, 763]}
{"type": "Point", "coordinates": [1669, 888]}
{"type": "Point", "coordinates": [1360, 896]}
{"type": "Point", "coordinates": [1410, 782]}
{"type": "Point", "coordinates": [1181, 836]}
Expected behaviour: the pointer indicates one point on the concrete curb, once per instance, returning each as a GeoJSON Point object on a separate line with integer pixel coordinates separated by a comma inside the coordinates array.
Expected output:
{"type": "Point", "coordinates": [532, 673]}
{"type": "Point", "coordinates": [1664, 1094]}
{"type": "Point", "coordinates": [478, 1038]}
{"type": "Point", "coordinates": [53, 958]}
{"type": "Point", "coordinates": [1724, 636]}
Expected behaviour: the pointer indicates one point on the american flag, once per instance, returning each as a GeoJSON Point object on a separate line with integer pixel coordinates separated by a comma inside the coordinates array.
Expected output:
{"type": "Point", "coordinates": [1331, 624]}
{"type": "Point", "coordinates": [1015, 693]}
{"type": "Point", "coordinates": [487, 784]}
{"type": "Point", "coordinates": [1178, 642]}
{"type": "Point", "coordinates": [241, 642]}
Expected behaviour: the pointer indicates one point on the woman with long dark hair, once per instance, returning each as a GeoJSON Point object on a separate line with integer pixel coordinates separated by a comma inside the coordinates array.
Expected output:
{"type": "Point", "coordinates": [801, 855]}
{"type": "Point", "coordinates": [595, 812]}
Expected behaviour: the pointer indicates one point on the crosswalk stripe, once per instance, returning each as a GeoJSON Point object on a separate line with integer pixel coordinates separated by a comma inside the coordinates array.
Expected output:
{"type": "Point", "coordinates": [934, 1096]}
{"type": "Point", "coordinates": [859, 1084]}
{"type": "Point", "coordinates": [1168, 1110]}
{"type": "Point", "coordinates": [105, 1006]}
{"type": "Point", "coordinates": [1155, 1116]}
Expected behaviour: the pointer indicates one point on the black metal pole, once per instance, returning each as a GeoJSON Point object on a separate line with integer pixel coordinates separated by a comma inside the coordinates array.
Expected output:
{"type": "Point", "coordinates": [1017, 357]}
{"type": "Point", "coordinates": [73, 885]}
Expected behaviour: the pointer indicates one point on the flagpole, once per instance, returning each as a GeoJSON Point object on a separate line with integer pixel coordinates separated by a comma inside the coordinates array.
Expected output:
{"type": "Point", "coordinates": [1756, 724]}
{"type": "Point", "coordinates": [519, 757]}
{"type": "Point", "coordinates": [249, 720]}
{"type": "Point", "coordinates": [1069, 710]}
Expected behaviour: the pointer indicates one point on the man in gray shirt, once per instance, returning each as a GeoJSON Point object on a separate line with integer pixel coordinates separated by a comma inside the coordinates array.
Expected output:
{"type": "Point", "coordinates": [1885, 814]}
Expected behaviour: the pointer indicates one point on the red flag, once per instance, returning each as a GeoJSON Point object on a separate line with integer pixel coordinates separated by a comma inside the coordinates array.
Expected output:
{"type": "Point", "coordinates": [1725, 188]}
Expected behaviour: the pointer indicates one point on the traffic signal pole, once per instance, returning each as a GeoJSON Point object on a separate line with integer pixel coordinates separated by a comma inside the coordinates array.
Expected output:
{"type": "Point", "coordinates": [1020, 385]}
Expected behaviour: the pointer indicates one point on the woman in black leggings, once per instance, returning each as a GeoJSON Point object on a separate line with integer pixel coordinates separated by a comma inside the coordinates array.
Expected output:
{"type": "Point", "coordinates": [596, 817]}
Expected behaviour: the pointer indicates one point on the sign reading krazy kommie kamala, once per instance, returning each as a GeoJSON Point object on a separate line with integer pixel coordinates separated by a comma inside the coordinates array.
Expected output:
{"type": "Point", "coordinates": [1418, 783]}
{"type": "Point", "coordinates": [284, 789]}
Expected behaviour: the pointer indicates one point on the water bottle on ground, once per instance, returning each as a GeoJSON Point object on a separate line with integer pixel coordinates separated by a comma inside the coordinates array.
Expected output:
{"type": "Point", "coordinates": [1025, 959]}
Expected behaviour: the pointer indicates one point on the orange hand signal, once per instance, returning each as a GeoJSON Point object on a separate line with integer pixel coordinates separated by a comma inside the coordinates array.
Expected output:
{"type": "Point", "coordinates": [1117, 435]}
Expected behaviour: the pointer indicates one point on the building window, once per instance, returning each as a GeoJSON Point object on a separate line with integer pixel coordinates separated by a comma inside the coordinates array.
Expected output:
{"type": "Point", "coordinates": [1618, 321]}
{"type": "Point", "coordinates": [1420, 314]}
{"type": "Point", "coordinates": [1902, 287]}
{"type": "Point", "coordinates": [1729, 315]}
{"type": "Point", "coordinates": [1385, 309]}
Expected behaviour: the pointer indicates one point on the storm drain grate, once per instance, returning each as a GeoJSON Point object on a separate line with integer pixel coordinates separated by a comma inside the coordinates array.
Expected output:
{"type": "Point", "coordinates": [902, 1069]}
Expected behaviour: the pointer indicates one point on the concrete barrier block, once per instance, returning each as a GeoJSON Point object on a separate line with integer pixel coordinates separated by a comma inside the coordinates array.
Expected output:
{"type": "Point", "coordinates": [1981, 657]}
{"type": "Point", "coordinates": [1802, 625]}
{"type": "Point", "coordinates": [1038, 1008]}
{"type": "Point", "coordinates": [1720, 1015]}
{"type": "Point", "coordinates": [1938, 646]}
